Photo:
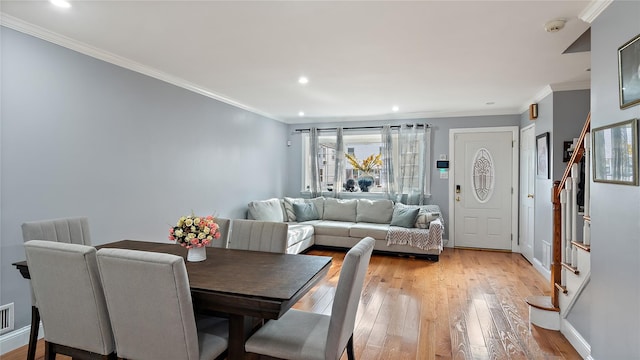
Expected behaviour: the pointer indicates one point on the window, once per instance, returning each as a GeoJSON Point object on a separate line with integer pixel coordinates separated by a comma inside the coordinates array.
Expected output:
{"type": "Point", "coordinates": [361, 145]}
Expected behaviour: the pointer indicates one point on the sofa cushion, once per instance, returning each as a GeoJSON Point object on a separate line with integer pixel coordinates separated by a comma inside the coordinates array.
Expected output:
{"type": "Point", "coordinates": [305, 212]}
{"type": "Point", "coordinates": [298, 232]}
{"type": "Point", "coordinates": [267, 210]}
{"type": "Point", "coordinates": [404, 216]}
{"type": "Point", "coordinates": [319, 203]}
{"type": "Point", "coordinates": [340, 209]}
{"type": "Point", "coordinates": [374, 211]}
{"type": "Point", "coordinates": [333, 228]}
{"type": "Point", "coordinates": [376, 231]}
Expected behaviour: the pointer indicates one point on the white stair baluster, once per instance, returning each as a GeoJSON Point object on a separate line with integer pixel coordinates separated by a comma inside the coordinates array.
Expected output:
{"type": "Point", "coordinates": [574, 202]}
{"type": "Point", "coordinates": [587, 175]}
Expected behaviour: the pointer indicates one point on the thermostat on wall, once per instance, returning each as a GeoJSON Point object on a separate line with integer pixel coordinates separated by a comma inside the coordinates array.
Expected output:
{"type": "Point", "coordinates": [442, 164]}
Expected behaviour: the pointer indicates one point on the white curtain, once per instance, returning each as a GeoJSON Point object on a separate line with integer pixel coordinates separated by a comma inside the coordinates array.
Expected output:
{"type": "Point", "coordinates": [339, 165]}
{"type": "Point", "coordinates": [414, 164]}
{"type": "Point", "coordinates": [314, 149]}
{"type": "Point", "coordinates": [387, 174]}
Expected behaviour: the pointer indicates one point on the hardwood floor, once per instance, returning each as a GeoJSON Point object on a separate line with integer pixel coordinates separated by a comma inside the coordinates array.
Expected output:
{"type": "Point", "coordinates": [469, 305]}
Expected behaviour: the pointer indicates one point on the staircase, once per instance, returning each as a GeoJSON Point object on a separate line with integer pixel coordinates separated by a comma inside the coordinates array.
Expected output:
{"type": "Point", "coordinates": [571, 261]}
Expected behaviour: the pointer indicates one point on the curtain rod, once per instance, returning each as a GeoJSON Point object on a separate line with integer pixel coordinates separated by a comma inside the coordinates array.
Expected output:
{"type": "Point", "coordinates": [362, 127]}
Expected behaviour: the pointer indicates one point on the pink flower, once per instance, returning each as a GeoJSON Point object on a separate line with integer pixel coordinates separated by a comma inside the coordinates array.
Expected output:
{"type": "Point", "coordinates": [206, 242]}
{"type": "Point", "coordinates": [209, 217]}
{"type": "Point", "coordinates": [171, 231]}
{"type": "Point", "coordinates": [171, 237]}
{"type": "Point", "coordinates": [216, 235]}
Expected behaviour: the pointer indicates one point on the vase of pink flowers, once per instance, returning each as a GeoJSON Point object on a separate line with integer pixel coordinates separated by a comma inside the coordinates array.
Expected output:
{"type": "Point", "coordinates": [195, 233]}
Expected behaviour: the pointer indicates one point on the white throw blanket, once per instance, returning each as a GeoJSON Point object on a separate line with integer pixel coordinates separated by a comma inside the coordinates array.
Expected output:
{"type": "Point", "coordinates": [424, 239]}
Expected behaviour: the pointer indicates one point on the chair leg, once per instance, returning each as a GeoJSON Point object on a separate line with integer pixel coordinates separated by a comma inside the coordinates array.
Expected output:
{"type": "Point", "coordinates": [33, 334]}
{"type": "Point", "coordinates": [49, 352]}
{"type": "Point", "coordinates": [350, 353]}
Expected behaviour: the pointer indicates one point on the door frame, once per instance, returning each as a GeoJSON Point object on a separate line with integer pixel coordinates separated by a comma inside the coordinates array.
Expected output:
{"type": "Point", "coordinates": [533, 241]}
{"type": "Point", "coordinates": [515, 183]}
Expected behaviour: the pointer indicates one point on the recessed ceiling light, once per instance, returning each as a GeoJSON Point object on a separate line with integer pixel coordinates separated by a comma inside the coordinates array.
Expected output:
{"type": "Point", "coordinates": [303, 80]}
{"type": "Point", "coordinates": [490, 103]}
{"type": "Point", "coordinates": [301, 113]}
{"type": "Point", "coordinates": [395, 108]}
{"type": "Point", "coordinates": [60, 3]}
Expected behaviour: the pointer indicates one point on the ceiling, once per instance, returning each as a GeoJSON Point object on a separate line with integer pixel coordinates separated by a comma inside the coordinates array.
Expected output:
{"type": "Point", "coordinates": [429, 58]}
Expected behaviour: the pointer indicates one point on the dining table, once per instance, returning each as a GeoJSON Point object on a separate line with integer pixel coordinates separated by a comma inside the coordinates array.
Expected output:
{"type": "Point", "coordinates": [241, 284]}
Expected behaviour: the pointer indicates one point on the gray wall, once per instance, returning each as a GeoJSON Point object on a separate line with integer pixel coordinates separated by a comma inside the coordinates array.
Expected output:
{"type": "Point", "coordinates": [84, 137]}
{"type": "Point", "coordinates": [440, 145]}
{"type": "Point", "coordinates": [615, 209]}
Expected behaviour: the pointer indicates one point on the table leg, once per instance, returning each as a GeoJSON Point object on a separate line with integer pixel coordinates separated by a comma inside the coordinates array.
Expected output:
{"type": "Point", "coordinates": [33, 334]}
{"type": "Point", "coordinates": [237, 337]}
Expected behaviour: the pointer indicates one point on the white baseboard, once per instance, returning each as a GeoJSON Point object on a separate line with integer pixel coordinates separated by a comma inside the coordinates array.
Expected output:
{"type": "Point", "coordinates": [541, 269]}
{"type": "Point", "coordinates": [575, 339]}
{"type": "Point", "coordinates": [17, 338]}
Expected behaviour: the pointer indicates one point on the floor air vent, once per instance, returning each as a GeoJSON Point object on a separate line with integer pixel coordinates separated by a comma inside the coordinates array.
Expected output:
{"type": "Point", "coordinates": [6, 318]}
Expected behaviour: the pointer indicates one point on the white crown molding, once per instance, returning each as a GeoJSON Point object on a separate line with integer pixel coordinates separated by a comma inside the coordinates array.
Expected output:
{"type": "Point", "coordinates": [405, 116]}
{"type": "Point", "coordinates": [549, 89]}
{"type": "Point", "coordinates": [593, 10]}
{"type": "Point", "coordinates": [55, 38]}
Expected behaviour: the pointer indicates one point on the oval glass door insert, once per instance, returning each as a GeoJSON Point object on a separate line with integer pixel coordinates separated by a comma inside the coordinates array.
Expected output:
{"type": "Point", "coordinates": [483, 175]}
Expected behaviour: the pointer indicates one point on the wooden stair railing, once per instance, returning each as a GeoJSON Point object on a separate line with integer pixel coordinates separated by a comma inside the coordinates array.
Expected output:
{"type": "Point", "coordinates": [556, 265]}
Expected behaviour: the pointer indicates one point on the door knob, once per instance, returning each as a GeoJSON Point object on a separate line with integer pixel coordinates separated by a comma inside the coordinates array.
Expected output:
{"type": "Point", "coordinates": [530, 196]}
{"type": "Point", "coordinates": [457, 198]}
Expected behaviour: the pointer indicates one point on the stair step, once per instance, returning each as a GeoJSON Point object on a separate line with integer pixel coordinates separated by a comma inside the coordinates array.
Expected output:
{"type": "Point", "coordinates": [571, 268]}
{"type": "Point", "coordinates": [582, 246]}
{"type": "Point", "coordinates": [561, 288]}
{"type": "Point", "coordinates": [542, 303]}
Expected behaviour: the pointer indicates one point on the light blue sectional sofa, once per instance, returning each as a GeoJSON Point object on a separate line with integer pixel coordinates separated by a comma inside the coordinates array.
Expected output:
{"type": "Point", "coordinates": [341, 223]}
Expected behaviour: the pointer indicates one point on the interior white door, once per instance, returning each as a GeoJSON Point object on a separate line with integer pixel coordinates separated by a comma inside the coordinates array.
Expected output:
{"type": "Point", "coordinates": [527, 187]}
{"type": "Point", "coordinates": [483, 189]}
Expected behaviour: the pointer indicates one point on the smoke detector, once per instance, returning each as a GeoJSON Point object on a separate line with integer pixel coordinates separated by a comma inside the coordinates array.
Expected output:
{"type": "Point", "coordinates": [554, 25]}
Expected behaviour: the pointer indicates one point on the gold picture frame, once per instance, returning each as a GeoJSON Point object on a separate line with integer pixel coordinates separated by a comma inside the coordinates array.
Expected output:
{"type": "Point", "coordinates": [615, 153]}
{"type": "Point", "coordinates": [629, 73]}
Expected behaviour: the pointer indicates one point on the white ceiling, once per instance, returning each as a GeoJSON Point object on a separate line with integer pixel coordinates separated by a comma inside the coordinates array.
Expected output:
{"type": "Point", "coordinates": [430, 58]}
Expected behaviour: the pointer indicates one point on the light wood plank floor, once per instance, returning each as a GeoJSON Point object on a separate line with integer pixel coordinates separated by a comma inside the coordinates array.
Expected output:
{"type": "Point", "coordinates": [469, 305]}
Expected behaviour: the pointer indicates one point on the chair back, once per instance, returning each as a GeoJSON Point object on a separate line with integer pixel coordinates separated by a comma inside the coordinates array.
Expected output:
{"type": "Point", "coordinates": [223, 227]}
{"type": "Point", "coordinates": [66, 282]}
{"type": "Point", "coordinates": [347, 297]}
{"type": "Point", "coordinates": [258, 236]}
{"type": "Point", "coordinates": [73, 230]}
{"type": "Point", "coordinates": [149, 302]}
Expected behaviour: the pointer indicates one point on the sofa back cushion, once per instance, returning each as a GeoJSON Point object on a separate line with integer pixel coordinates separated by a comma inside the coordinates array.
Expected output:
{"type": "Point", "coordinates": [340, 209]}
{"type": "Point", "coordinates": [374, 211]}
{"type": "Point", "coordinates": [267, 210]}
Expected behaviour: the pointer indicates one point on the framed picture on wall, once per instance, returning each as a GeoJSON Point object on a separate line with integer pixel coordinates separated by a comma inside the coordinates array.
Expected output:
{"type": "Point", "coordinates": [629, 72]}
{"type": "Point", "coordinates": [615, 153]}
{"type": "Point", "coordinates": [542, 156]}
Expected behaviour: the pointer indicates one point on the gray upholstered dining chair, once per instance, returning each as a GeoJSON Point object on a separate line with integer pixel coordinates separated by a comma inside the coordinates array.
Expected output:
{"type": "Point", "coordinates": [310, 336]}
{"type": "Point", "coordinates": [151, 311]}
{"type": "Point", "coordinates": [258, 235]}
{"type": "Point", "coordinates": [74, 230]}
{"type": "Point", "coordinates": [223, 240]}
{"type": "Point", "coordinates": [71, 302]}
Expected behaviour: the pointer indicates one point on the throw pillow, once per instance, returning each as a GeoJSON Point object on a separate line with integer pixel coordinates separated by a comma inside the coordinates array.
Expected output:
{"type": "Point", "coordinates": [288, 207]}
{"type": "Point", "coordinates": [305, 211]}
{"type": "Point", "coordinates": [266, 210]}
{"type": "Point", "coordinates": [404, 216]}
{"type": "Point", "coordinates": [425, 218]}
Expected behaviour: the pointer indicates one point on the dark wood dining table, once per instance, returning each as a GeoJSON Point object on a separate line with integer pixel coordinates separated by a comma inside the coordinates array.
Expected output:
{"type": "Point", "coordinates": [242, 284]}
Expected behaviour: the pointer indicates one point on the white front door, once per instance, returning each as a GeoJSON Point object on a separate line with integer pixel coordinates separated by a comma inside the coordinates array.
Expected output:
{"type": "Point", "coordinates": [527, 188]}
{"type": "Point", "coordinates": [483, 185]}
